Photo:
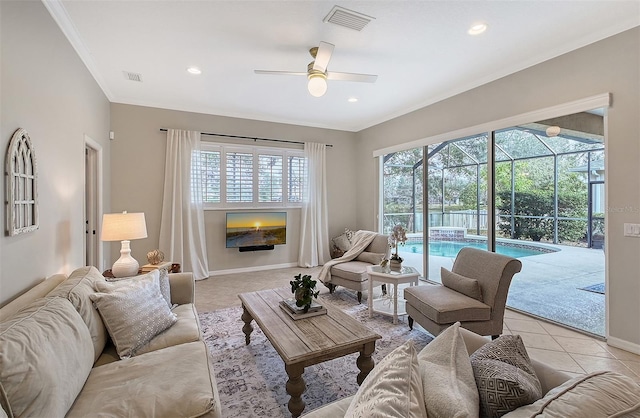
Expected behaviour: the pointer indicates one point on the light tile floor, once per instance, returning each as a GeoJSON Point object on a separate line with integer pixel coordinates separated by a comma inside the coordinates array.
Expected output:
{"type": "Point", "coordinates": [568, 350]}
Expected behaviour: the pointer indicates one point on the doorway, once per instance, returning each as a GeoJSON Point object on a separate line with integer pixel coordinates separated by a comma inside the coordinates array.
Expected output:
{"type": "Point", "coordinates": [92, 203]}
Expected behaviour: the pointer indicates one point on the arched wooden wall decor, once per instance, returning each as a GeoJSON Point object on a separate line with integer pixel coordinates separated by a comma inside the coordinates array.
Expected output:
{"type": "Point", "coordinates": [22, 185]}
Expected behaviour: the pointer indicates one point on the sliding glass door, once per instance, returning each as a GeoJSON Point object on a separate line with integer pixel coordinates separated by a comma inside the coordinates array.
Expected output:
{"type": "Point", "coordinates": [547, 209]}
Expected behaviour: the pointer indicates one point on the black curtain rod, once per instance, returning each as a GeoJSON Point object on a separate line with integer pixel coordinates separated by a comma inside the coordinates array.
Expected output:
{"type": "Point", "coordinates": [252, 137]}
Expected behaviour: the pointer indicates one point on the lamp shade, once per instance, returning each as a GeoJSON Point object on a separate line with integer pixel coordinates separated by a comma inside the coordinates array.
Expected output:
{"type": "Point", "coordinates": [123, 226]}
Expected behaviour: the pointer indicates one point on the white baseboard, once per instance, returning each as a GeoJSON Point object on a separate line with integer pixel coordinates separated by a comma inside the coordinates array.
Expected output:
{"type": "Point", "coordinates": [624, 345]}
{"type": "Point", "coordinates": [252, 269]}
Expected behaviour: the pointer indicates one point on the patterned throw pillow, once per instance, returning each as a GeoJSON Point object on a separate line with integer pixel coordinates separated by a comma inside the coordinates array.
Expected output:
{"type": "Point", "coordinates": [163, 280]}
{"type": "Point", "coordinates": [133, 311]}
{"type": "Point", "coordinates": [392, 389]}
{"type": "Point", "coordinates": [165, 287]}
{"type": "Point", "coordinates": [504, 376]}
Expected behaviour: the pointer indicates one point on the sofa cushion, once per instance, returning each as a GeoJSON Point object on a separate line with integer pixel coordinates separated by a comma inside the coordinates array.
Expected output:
{"type": "Point", "coordinates": [356, 271]}
{"type": "Point", "coordinates": [392, 389]}
{"type": "Point", "coordinates": [599, 394]}
{"type": "Point", "coordinates": [464, 285]}
{"type": "Point", "coordinates": [185, 330]}
{"type": "Point", "coordinates": [447, 376]}
{"type": "Point", "coordinates": [152, 385]}
{"type": "Point", "coordinates": [134, 312]}
{"type": "Point", "coordinates": [77, 289]}
{"type": "Point", "coordinates": [46, 354]}
{"type": "Point", "coordinates": [504, 376]}
{"type": "Point", "coordinates": [369, 257]}
{"type": "Point", "coordinates": [445, 306]}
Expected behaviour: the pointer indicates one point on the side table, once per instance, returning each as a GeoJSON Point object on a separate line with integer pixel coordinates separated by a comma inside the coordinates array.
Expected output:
{"type": "Point", "coordinates": [381, 275]}
{"type": "Point", "coordinates": [175, 268]}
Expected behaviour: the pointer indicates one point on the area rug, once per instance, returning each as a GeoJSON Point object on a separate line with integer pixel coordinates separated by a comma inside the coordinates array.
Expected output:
{"type": "Point", "coordinates": [251, 379]}
{"type": "Point", "coordinates": [595, 288]}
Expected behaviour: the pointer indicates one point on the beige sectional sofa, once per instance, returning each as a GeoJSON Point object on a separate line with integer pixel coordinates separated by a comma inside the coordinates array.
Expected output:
{"type": "Point", "coordinates": [57, 357]}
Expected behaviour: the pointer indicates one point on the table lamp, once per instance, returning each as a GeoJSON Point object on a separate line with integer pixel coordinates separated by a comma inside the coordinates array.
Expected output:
{"type": "Point", "coordinates": [124, 227]}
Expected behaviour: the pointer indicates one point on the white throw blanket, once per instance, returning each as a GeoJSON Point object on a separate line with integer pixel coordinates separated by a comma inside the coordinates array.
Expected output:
{"type": "Point", "coordinates": [361, 241]}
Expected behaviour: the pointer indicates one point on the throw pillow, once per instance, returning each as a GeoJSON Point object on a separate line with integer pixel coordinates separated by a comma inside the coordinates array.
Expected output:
{"type": "Point", "coordinates": [599, 394]}
{"type": "Point", "coordinates": [371, 258]}
{"type": "Point", "coordinates": [163, 281]}
{"type": "Point", "coordinates": [46, 355]}
{"type": "Point", "coordinates": [77, 289]}
{"type": "Point", "coordinates": [504, 376]}
{"type": "Point", "coordinates": [133, 311]}
{"type": "Point", "coordinates": [447, 376]}
{"type": "Point", "coordinates": [350, 234]}
{"type": "Point", "coordinates": [461, 284]}
{"type": "Point", "coordinates": [392, 389]}
{"type": "Point", "coordinates": [342, 242]}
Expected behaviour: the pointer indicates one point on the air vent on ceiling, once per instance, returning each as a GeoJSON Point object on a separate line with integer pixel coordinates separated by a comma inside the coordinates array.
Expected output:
{"type": "Point", "coordinates": [132, 76]}
{"type": "Point", "coordinates": [347, 18]}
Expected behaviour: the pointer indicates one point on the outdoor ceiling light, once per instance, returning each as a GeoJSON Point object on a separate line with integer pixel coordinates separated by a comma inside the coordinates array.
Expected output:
{"type": "Point", "coordinates": [553, 131]}
{"type": "Point", "coordinates": [317, 85]}
{"type": "Point", "coordinates": [194, 70]}
{"type": "Point", "coordinates": [477, 29]}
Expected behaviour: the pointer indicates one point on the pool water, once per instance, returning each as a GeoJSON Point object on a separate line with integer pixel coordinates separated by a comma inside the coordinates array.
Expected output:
{"type": "Point", "coordinates": [451, 248]}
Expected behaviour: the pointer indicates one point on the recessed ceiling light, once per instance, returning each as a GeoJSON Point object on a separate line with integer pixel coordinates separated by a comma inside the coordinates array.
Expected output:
{"type": "Point", "coordinates": [352, 99]}
{"type": "Point", "coordinates": [194, 70]}
{"type": "Point", "coordinates": [477, 29]}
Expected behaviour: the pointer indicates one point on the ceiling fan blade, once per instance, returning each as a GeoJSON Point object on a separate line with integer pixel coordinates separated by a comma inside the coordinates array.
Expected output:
{"type": "Point", "coordinates": [364, 78]}
{"type": "Point", "coordinates": [323, 56]}
{"type": "Point", "coordinates": [278, 72]}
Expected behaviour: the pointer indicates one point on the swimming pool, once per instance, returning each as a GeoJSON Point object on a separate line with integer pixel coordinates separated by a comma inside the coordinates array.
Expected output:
{"type": "Point", "coordinates": [451, 248]}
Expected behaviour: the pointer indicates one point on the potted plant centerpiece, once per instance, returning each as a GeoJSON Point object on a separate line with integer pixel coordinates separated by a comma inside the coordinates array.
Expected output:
{"type": "Point", "coordinates": [397, 237]}
{"type": "Point", "coordinates": [303, 289]}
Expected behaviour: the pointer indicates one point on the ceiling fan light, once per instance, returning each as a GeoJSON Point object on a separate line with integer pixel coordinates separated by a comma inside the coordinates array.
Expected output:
{"type": "Point", "coordinates": [317, 85]}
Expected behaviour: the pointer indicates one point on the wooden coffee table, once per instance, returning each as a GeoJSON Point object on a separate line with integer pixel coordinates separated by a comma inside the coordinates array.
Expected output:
{"type": "Point", "coordinates": [305, 342]}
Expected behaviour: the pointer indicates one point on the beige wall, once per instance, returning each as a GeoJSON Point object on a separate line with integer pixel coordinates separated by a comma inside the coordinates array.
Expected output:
{"type": "Point", "coordinates": [609, 66]}
{"type": "Point", "coordinates": [47, 90]}
{"type": "Point", "coordinates": [137, 175]}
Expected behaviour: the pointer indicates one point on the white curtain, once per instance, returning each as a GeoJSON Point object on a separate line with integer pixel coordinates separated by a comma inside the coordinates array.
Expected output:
{"type": "Point", "coordinates": [314, 230]}
{"type": "Point", "coordinates": [182, 236]}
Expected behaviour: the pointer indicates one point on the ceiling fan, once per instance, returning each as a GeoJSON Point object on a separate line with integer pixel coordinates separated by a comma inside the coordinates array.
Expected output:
{"type": "Point", "coordinates": [317, 73]}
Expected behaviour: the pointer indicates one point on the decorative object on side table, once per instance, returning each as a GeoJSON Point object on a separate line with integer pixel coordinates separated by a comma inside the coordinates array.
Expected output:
{"type": "Point", "coordinates": [155, 257]}
{"type": "Point", "coordinates": [397, 237]}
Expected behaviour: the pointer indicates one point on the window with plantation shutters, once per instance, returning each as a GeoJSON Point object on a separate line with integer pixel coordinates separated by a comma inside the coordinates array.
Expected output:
{"type": "Point", "coordinates": [297, 169]}
{"type": "Point", "coordinates": [238, 176]}
{"type": "Point", "coordinates": [239, 181]}
{"type": "Point", "coordinates": [270, 178]}
{"type": "Point", "coordinates": [211, 177]}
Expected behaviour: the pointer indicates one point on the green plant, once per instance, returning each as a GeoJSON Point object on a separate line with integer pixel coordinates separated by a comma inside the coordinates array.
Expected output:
{"type": "Point", "coordinates": [303, 291]}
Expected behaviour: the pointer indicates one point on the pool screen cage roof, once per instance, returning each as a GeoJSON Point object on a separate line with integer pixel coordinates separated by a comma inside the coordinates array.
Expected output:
{"type": "Point", "coordinates": [520, 143]}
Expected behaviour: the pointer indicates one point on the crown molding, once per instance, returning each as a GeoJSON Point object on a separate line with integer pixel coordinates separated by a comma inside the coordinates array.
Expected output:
{"type": "Point", "coordinates": [61, 17]}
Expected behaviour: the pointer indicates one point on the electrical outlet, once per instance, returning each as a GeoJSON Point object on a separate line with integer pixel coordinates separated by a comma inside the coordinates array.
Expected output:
{"type": "Point", "coordinates": [632, 230]}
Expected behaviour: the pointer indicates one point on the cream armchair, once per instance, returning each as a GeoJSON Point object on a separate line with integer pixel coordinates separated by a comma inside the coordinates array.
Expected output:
{"type": "Point", "coordinates": [353, 274]}
{"type": "Point", "coordinates": [474, 293]}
